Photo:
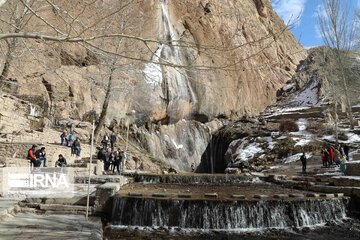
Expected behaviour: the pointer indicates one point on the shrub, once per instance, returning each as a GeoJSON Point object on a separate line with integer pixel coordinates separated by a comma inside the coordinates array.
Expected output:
{"type": "Point", "coordinates": [313, 146]}
{"type": "Point", "coordinates": [288, 125]}
{"type": "Point", "coordinates": [284, 147]}
{"type": "Point", "coordinates": [316, 128]}
{"type": "Point", "coordinates": [343, 136]}
{"type": "Point", "coordinates": [89, 116]}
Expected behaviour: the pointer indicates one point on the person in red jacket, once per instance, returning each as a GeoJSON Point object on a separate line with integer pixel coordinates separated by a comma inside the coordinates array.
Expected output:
{"type": "Point", "coordinates": [31, 155]}
{"type": "Point", "coordinates": [331, 155]}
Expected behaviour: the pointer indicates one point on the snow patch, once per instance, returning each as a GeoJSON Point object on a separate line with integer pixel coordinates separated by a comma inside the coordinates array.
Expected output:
{"type": "Point", "coordinates": [302, 142]}
{"type": "Point", "coordinates": [287, 87]}
{"type": "Point", "coordinates": [352, 138]}
{"type": "Point", "coordinates": [329, 174]}
{"type": "Point", "coordinates": [293, 109]}
{"type": "Point", "coordinates": [347, 177]}
{"type": "Point", "coordinates": [271, 143]}
{"type": "Point", "coordinates": [249, 151]}
{"type": "Point", "coordinates": [296, 157]}
{"type": "Point", "coordinates": [309, 96]}
{"type": "Point", "coordinates": [302, 122]}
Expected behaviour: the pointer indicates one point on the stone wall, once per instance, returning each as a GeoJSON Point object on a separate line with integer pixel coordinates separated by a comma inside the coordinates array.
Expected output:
{"type": "Point", "coordinates": [7, 150]}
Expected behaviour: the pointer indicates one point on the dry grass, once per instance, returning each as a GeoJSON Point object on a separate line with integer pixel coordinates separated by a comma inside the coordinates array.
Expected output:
{"type": "Point", "coordinates": [288, 125]}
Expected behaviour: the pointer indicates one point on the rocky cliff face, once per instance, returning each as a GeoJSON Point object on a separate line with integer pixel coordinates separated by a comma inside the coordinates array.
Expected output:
{"type": "Point", "coordinates": [233, 55]}
{"type": "Point", "coordinates": [212, 58]}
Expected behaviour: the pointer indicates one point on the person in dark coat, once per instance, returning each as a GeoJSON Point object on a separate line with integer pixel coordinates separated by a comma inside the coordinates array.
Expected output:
{"type": "Point", "coordinates": [61, 162]}
{"type": "Point", "coordinates": [117, 162]}
{"type": "Point", "coordinates": [303, 162]}
{"type": "Point", "coordinates": [346, 151]}
{"type": "Point", "coordinates": [113, 140]}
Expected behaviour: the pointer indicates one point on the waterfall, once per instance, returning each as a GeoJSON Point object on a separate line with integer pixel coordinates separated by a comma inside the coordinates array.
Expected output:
{"type": "Point", "coordinates": [223, 215]}
{"type": "Point", "coordinates": [176, 86]}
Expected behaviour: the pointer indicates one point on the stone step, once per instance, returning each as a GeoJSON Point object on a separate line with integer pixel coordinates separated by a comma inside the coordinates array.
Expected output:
{"type": "Point", "coordinates": [347, 191]}
{"type": "Point", "coordinates": [351, 181]}
{"type": "Point", "coordinates": [353, 168]}
{"type": "Point", "coordinates": [76, 200]}
{"type": "Point", "coordinates": [61, 207]}
{"type": "Point", "coordinates": [356, 156]}
{"type": "Point", "coordinates": [16, 162]}
{"type": "Point", "coordinates": [84, 160]}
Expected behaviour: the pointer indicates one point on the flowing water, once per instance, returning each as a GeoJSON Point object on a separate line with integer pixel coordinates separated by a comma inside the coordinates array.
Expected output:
{"type": "Point", "coordinates": [226, 215]}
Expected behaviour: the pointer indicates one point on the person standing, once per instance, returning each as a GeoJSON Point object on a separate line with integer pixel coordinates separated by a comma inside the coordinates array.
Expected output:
{"type": "Point", "coordinates": [303, 162]}
{"type": "Point", "coordinates": [63, 139]}
{"type": "Point", "coordinates": [123, 159]}
{"type": "Point", "coordinates": [346, 151]}
{"type": "Point", "coordinates": [117, 162]}
{"type": "Point", "coordinates": [105, 141]}
{"type": "Point", "coordinates": [331, 155]}
{"type": "Point", "coordinates": [76, 148]}
{"type": "Point", "coordinates": [71, 139]}
{"type": "Point", "coordinates": [113, 140]}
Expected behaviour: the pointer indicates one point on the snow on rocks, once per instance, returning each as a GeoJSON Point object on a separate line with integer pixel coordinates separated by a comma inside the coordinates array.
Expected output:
{"type": "Point", "coordinates": [301, 142]}
{"type": "Point", "coordinates": [243, 150]}
{"type": "Point", "coordinates": [296, 157]}
{"type": "Point", "coordinates": [309, 96]}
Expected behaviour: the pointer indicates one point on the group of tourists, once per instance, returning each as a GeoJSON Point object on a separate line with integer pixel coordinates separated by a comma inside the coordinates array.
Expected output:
{"type": "Point", "coordinates": [71, 141]}
{"type": "Point", "coordinates": [113, 159]}
{"type": "Point", "coordinates": [36, 156]}
{"type": "Point", "coordinates": [109, 140]}
{"type": "Point", "coordinates": [334, 155]}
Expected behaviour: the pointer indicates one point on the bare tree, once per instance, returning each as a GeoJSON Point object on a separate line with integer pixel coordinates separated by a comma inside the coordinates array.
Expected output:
{"type": "Point", "coordinates": [338, 31]}
{"type": "Point", "coordinates": [18, 19]}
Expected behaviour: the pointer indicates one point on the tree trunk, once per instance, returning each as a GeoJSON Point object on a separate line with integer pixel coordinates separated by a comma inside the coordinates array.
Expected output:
{"type": "Point", "coordinates": [336, 123]}
{"type": "Point", "coordinates": [8, 59]}
{"type": "Point", "coordinates": [346, 90]}
{"type": "Point", "coordinates": [105, 106]}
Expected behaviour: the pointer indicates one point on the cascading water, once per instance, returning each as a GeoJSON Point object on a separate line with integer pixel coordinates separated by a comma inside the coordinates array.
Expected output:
{"type": "Point", "coordinates": [226, 215]}
{"type": "Point", "coordinates": [172, 80]}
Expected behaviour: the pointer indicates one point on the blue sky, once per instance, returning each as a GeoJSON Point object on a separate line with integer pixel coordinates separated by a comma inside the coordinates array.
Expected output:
{"type": "Point", "coordinates": [305, 29]}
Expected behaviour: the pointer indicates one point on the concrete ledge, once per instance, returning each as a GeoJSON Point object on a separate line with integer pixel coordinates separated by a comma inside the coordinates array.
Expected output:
{"type": "Point", "coordinates": [63, 208]}
{"type": "Point", "coordinates": [280, 196]}
{"type": "Point", "coordinates": [211, 195]}
{"type": "Point", "coordinates": [110, 185]}
{"type": "Point", "coordinates": [162, 195]}
{"type": "Point", "coordinates": [316, 195]}
{"type": "Point", "coordinates": [134, 194]}
{"type": "Point", "coordinates": [238, 196]}
{"type": "Point", "coordinates": [184, 195]}
{"type": "Point", "coordinates": [259, 196]}
{"type": "Point", "coordinates": [327, 195]}
{"type": "Point", "coordinates": [339, 195]}
{"type": "Point", "coordinates": [296, 195]}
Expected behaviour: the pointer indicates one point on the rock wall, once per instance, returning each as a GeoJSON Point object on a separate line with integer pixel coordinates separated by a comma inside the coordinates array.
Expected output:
{"type": "Point", "coordinates": [179, 145]}
{"type": "Point", "coordinates": [232, 56]}
{"type": "Point", "coordinates": [184, 59]}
